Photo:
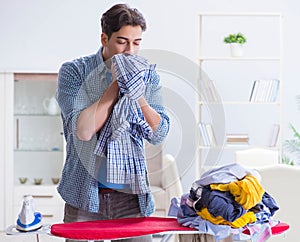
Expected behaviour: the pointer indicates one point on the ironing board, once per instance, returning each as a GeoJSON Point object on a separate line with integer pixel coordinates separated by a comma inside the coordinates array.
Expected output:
{"type": "Point", "coordinates": [118, 228]}
{"type": "Point", "coordinates": [124, 228]}
{"type": "Point", "coordinates": [131, 227]}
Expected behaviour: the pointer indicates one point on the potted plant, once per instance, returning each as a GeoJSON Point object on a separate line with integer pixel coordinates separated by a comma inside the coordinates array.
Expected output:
{"type": "Point", "coordinates": [291, 148]}
{"type": "Point", "coordinates": [236, 42]}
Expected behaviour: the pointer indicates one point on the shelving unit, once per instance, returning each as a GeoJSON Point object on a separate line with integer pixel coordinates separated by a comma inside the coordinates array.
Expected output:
{"type": "Point", "coordinates": [34, 146]}
{"type": "Point", "coordinates": [231, 78]}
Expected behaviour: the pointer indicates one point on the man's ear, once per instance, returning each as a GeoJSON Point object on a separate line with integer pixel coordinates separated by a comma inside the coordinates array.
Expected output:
{"type": "Point", "coordinates": [104, 39]}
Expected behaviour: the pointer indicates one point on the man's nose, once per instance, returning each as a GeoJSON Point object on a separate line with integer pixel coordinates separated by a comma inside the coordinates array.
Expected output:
{"type": "Point", "coordinates": [130, 49]}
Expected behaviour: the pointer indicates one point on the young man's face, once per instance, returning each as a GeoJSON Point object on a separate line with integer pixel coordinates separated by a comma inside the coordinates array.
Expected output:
{"type": "Point", "coordinates": [126, 40]}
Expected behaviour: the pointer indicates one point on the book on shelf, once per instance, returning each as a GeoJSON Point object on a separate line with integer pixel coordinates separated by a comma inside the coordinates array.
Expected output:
{"type": "Point", "coordinates": [274, 135]}
{"type": "Point", "coordinates": [209, 93]}
{"type": "Point", "coordinates": [264, 90]}
{"type": "Point", "coordinates": [238, 138]}
{"type": "Point", "coordinates": [203, 134]}
{"type": "Point", "coordinates": [211, 134]}
{"type": "Point", "coordinates": [207, 134]}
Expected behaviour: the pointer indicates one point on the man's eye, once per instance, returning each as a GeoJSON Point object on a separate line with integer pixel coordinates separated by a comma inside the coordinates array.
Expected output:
{"type": "Point", "coordinates": [137, 42]}
{"type": "Point", "coordinates": [122, 42]}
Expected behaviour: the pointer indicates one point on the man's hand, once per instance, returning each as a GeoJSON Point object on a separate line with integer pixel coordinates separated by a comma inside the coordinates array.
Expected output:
{"type": "Point", "coordinates": [151, 116]}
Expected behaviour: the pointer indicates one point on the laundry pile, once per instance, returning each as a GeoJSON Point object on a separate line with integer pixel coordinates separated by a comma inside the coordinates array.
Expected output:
{"type": "Point", "coordinates": [227, 200]}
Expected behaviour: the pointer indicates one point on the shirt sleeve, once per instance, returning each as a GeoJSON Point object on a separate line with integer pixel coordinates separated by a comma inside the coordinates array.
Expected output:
{"type": "Point", "coordinates": [153, 95]}
{"type": "Point", "coordinates": [69, 84]}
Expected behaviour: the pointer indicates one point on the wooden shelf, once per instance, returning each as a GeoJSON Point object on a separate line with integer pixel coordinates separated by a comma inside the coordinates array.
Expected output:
{"type": "Point", "coordinates": [224, 58]}
{"type": "Point", "coordinates": [26, 76]}
{"type": "Point", "coordinates": [209, 58]}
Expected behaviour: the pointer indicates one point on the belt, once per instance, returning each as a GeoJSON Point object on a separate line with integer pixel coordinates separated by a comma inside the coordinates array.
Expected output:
{"type": "Point", "coordinates": [106, 190]}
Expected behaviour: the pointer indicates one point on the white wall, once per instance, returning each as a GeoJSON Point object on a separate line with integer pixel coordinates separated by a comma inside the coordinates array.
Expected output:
{"type": "Point", "coordinates": [40, 35]}
{"type": "Point", "coordinates": [2, 154]}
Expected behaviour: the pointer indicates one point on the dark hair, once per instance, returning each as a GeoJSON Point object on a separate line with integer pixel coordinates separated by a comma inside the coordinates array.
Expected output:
{"type": "Point", "coordinates": [121, 15]}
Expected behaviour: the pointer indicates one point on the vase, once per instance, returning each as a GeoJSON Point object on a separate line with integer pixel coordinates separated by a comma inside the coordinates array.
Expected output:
{"type": "Point", "coordinates": [236, 50]}
{"type": "Point", "coordinates": [51, 106]}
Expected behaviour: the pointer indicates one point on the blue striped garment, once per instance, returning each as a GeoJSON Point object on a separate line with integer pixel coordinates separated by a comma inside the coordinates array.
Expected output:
{"type": "Point", "coordinates": [132, 73]}
{"type": "Point", "coordinates": [121, 139]}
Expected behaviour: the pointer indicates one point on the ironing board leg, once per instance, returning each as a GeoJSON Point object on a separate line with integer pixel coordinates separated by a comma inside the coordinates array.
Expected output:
{"type": "Point", "coordinates": [37, 238]}
{"type": "Point", "coordinates": [166, 237]}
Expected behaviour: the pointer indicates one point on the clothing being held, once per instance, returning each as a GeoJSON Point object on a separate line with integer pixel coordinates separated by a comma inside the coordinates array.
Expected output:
{"type": "Point", "coordinates": [121, 138]}
{"type": "Point", "coordinates": [132, 73]}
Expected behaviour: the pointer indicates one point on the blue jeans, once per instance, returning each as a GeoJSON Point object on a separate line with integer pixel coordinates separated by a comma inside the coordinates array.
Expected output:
{"type": "Point", "coordinates": [112, 206]}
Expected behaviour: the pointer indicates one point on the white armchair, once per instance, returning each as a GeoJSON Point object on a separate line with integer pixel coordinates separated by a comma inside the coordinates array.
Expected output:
{"type": "Point", "coordinates": [164, 178]}
{"type": "Point", "coordinates": [257, 157]}
{"type": "Point", "coordinates": [281, 181]}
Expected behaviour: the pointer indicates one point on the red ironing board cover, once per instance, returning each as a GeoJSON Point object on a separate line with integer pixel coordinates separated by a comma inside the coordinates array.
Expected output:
{"type": "Point", "coordinates": [117, 228]}
{"type": "Point", "coordinates": [277, 229]}
{"type": "Point", "coordinates": [128, 227]}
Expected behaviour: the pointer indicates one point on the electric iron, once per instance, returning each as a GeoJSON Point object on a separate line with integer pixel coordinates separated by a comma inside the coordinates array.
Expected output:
{"type": "Point", "coordinates": [28, 219]}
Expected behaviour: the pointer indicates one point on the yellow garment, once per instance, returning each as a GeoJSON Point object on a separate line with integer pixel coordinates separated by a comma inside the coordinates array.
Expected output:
{"type": "Point", "coordinates": [240, 222]}
{"type": "Point", "coordinates": [247, 192]}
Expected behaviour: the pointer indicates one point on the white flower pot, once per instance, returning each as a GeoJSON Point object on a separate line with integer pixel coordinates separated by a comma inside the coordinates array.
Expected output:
{"type": "Point", "coordinates": [236, 50]}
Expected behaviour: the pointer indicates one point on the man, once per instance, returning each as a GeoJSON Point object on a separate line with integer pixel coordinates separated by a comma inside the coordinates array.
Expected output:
{"type": "Point", "coordinates": [90, 100]}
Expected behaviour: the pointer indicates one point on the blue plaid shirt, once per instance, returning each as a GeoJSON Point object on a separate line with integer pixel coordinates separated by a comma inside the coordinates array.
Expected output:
{"type": "Point", "coordinates": [82, 82]}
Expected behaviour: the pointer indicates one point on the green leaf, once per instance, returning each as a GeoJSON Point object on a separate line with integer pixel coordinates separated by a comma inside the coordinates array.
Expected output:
{"type": "Point", "coordinates": [295, 133]}
{"type": "Point", "coordinates": [235, 38]}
